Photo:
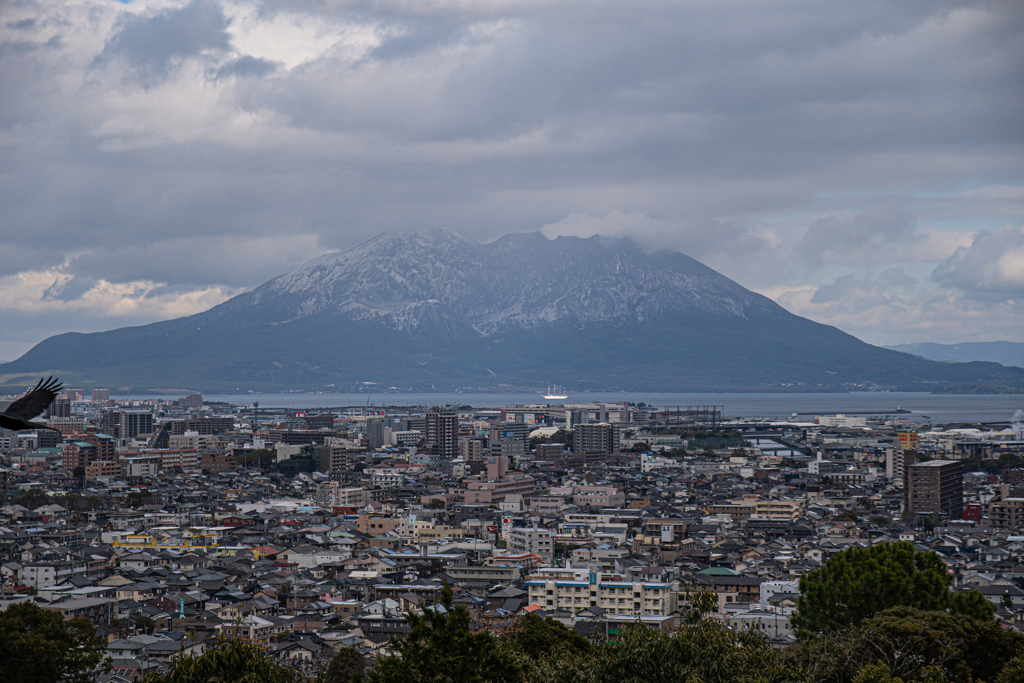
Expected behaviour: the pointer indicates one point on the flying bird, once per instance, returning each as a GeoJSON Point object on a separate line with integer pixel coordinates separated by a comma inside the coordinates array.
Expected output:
{"type": "Point", "coordinates": [31, 405]}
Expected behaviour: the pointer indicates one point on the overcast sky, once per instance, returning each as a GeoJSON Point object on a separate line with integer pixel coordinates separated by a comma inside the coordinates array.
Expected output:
{"type": "Point", "coordinates": [861, 163]}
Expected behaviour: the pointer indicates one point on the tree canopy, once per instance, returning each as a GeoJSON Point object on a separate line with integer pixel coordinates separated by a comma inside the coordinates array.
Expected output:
{"type": "Point", "coordinates": [538, 637]}
{"type": "Point", "coordinates": [441, 648]}
{"type": "Point", "coordinates": [859, 582]}
{"type": "Point", "coordinates": [346, 666]}
{"type": "Point", "coordinates": [38, 646]}
{"type": "Point", "coordinates": [229, 661]}
{"type": "Point", "coordinates": [903, 643]}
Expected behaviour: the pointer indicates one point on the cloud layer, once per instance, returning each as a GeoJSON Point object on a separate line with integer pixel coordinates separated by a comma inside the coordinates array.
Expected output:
{"type": "Point", "coordinates": [860, 162]}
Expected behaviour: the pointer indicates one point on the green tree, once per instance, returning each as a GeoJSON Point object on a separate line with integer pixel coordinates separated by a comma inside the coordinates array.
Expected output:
{"type": "Point", "coordinates": [910, 645]}
{"type": "Point", "coordinates": [702, 651]}
{"type": "Point", "coordinates": [436, 504]}
{"type": "Point", "coordinates": [137, 498]}
{"type": "Point", "coordinates": [859, 582]}
{"type": "Point", "coordinates": [538, 637]}
{"type": "Point", "coordinates": [261, 457]}
{"type": "Point", "coordinates": [347, 666]}
{"type": "Point", "coordinates": [972, 603]}
{"type": "Point", "coordinates": [1013, 672]}
{"type": "Point", "coordinates": [441, 648]}
{"type": "Point", "coordinates": [33, 498]}
{"type": "Point", "coordinates": [228, 661]}
{"type": "Point", "coordinates": [145, 624]}
{"type": "Point", "coordinates": [38, 646]}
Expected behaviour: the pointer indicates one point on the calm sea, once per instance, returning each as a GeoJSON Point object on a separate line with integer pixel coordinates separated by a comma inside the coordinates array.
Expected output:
{"type": "Point", "coordinates": [922, 406]}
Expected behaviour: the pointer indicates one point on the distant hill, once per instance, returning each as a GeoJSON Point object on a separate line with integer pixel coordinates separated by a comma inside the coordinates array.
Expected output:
{"type": "Point", "coordinates": [1002, 352]}
{"type": "Point", "coordinates": [438, 311]}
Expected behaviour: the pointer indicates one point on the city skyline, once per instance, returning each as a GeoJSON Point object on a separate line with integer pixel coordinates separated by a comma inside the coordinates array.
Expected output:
{"type": "Point", "coordinates": [861, 166]}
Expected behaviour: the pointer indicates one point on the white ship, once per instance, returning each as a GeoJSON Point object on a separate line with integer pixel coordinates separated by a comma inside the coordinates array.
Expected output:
{"type": "Point", "coordinates": [558, 394]}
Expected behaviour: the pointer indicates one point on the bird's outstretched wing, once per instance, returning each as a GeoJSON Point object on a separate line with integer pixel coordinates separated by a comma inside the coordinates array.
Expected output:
{"type": "Point", "coordinates": [36, 401]}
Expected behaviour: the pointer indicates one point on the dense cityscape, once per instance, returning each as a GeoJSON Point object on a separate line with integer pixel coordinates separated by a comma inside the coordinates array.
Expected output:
{"type": "Point", "coordinates": [168, 524]}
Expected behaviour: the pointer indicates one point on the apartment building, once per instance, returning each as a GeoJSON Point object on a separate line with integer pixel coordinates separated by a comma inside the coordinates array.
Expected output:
{"type": "Point", "coordinates": [596, 438]}
{"type": "Point", "coordinates": [598, 497]}
{"type": "Point", "coordinates": [779, 509]}
{"type": "Point", "coordinates": [935, 487]}
{"type": "Point", "coordinates": [495, 491]}
{"type": "Point", "coordinates": [600, 590]}
{"type": "Point", "coordinates": [1007, 514]}
{"type": "Point", "coordinates": [532, 540]}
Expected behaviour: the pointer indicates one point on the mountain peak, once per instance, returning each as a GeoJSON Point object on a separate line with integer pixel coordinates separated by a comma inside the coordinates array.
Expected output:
{"type": "Point", "coordinates": [437, 309]}
{"type": "Point", "coordinates": [521, 280]}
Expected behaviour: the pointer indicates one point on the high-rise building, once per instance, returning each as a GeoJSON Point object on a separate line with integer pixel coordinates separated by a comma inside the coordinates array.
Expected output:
{"type": "Point", "coordinates": [135, 422]}
{"type": "Point", "coordinates": [75, 394]}
{"type": "Point", "coordinates": [61, 407]}
{"type": "Point", "coordinates": [110, 423]}
{"type": "Point", "coordinates": [441, 434]}
{"type": "Point", "coordinates": [935, 487]}
{"type": "Point", "coordinates": [101, 395]}
{"type": "Point", "coordinates": [377, 432]}
{"type": "Point", "coordinates": [897, 461]}
{"type": "Point", "coordinates": [596, 438]}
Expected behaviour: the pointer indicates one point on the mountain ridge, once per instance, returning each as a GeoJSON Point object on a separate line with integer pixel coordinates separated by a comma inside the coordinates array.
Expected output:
{"type": "Point", "coordinates": [1002, 352]}
{"type": "Point", "coordinates": [438, 310]}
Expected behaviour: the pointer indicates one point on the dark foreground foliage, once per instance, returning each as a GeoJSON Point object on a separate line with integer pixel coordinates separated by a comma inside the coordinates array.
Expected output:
{"type": "Point", "coordinates": [897, 645]}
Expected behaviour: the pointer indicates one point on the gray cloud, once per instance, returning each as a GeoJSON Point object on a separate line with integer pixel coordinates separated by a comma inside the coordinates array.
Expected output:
{"type": "Point", "coordinates": [992, 268]}
{"type": "Point", "coordinates": [837, 240]}
{"type": "Point", "coordinates": [149, 44]}
{"type": "Point", "coordinates": [789, 145]}
{"type": "Point", "coordinates": [247, 66]}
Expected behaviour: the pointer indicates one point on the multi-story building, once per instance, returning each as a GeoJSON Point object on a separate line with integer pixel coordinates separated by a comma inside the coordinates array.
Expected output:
{"type": "Point", "coordinates": [67, 425]}
{"type": "Point", "coordinates": [596, 438]}
{"type": "Point", "coordinates": [495, 491]}
{"type": "Point", "coordinates": [441, 434]}
{"type": "Point", "coordinates": [935, 487]}
{"type": "Point", "coordinates": [135, 422]}
{"type": "Point", "coordinates": [470, 449]}
{"type": "Point", "coordinates": [549, 452]}
{"type": "Point", "coordinates": [779, 509]}
{"type": "Point", "coordinates": [61, 407]}
{"type": "Point", "coordinates": [101, 395]}
{"type": "Point", "coordinates": [598, 496]}
{"type": "Point", "coordinates": [86, 449]}
{"type": "Point", "coordinates": [215, 464]}
{"type": "Point", "coordinates": [896, 462]}
{"type": "Point", "coordinates": [576, 591]}
{"type": "Point", "coordinates": [1007, 514]}
{"type": "Point", "coordinates": [377, 433]}
{"type": "Point", "coordinates": [104, 468]}
{"type": "Point", "coordinates": [538, 541]}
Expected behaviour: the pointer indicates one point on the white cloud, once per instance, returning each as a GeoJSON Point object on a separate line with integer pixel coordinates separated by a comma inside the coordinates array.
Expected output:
{"type": "Point", "coordinates": [991, 267]}
{"type": "Point", "coordinates": [40, 292]}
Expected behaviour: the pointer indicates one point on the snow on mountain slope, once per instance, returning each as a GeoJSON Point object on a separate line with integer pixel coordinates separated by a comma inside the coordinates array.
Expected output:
{"type": "Point", "coordinates": [441, 282]}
